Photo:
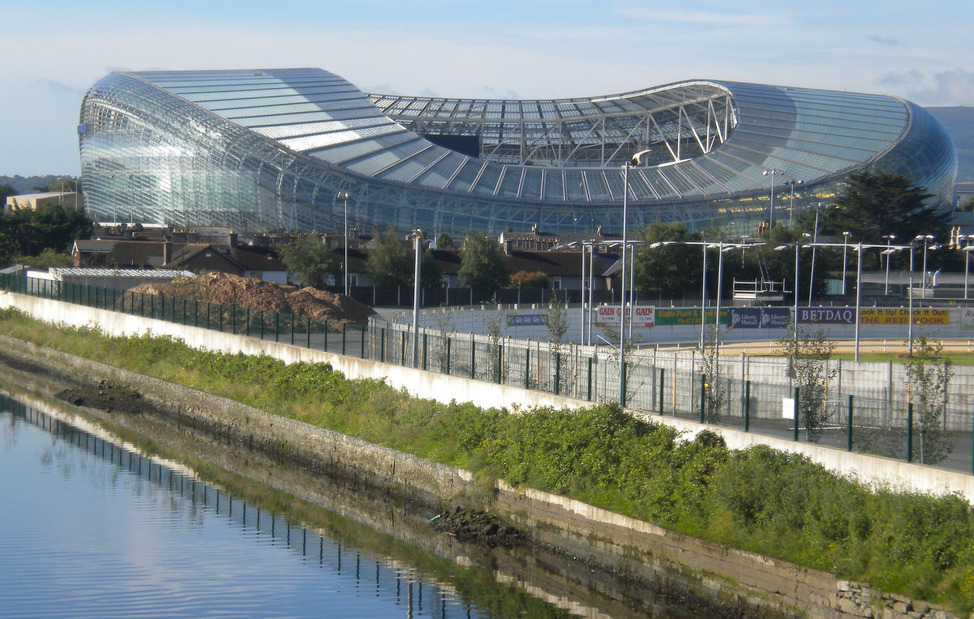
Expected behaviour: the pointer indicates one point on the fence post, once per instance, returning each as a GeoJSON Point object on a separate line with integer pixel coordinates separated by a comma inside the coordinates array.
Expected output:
{"type": "Point", "coordinates": [557, 372]}
{"type": "Point", "coordinates": [344, 332]}
{"type": "Point", "coordinates": [747, 405]}
{"type": "Point", "coordinates": [277, 324]}
{"type": "Point", "coordinates": [449, 342]}
{"type": "Point", "coordinates": [703, 395]}
{"type": "Point", "coordinates": [473, 356]}
{"type": "Point", "coordinates": [424, 350]}
{"type": "Point", "coordinates": [589, 396]}
{"type": "Point", "coordinates": [292, 329]}
{"type": "Point", "coordinates": [362, 332]}
{"type": "Point", "coordinates": [382, 345]}
{"type": "Point", "coordinates": [909, 432]}
{"type": "Point", "coordinates": [848, 440]}
{"type": "Point", "coordinates": [661, 385]}
{"type": "Point", "coordinates": [324, 346]}
{"type": "Point", "coordinates": [795, 434]}
{"type": "Point", "coordinates": [309, 334]}
{"type": "Point", "coordinates": [527, 366]}
{"type": "Point", "coordinates": [500, 363]}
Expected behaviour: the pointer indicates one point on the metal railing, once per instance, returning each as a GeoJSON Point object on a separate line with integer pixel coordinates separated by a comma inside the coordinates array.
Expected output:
{"type": "Point", "coordinates": [865, 409]}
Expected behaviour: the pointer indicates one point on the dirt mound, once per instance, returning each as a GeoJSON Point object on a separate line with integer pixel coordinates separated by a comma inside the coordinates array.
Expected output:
{"type": "Point", "coordinates": [227, 289]}
{"type": "Point", "coordinates": [473, 525]}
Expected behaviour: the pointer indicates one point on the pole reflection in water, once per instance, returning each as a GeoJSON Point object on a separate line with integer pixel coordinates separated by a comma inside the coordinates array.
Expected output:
{"type": "Point", "coordinates": [96, 529]}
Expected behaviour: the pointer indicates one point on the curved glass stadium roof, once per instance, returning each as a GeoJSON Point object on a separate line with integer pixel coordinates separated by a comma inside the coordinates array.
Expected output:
{"type": "Point", "coordinates": [263, 149]}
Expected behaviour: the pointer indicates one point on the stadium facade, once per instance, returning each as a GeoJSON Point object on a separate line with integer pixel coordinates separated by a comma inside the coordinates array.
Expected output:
{"type": "Point", "coordinates": [258, 150]}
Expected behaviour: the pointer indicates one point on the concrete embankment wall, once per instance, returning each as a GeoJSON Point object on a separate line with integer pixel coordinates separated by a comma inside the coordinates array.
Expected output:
{"type": "Point", "coordinates": [754, 584]}
{"type": "Point", "coordinates": [876, 471]}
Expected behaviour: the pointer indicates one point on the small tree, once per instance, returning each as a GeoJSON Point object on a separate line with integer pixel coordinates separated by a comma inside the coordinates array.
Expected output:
{"type": "Point", "coordinates": [928, 375]}
{"type": "Point", "coordinates": [808, 354]}
{"type": "Point", "coordinates": [312, 261]}
{"type": "Point", "coordinates": [390, 262]}
{"type": "Point", "coordinates": [482, 265]}
{"type": "Point", "coordinates": [714, 393]}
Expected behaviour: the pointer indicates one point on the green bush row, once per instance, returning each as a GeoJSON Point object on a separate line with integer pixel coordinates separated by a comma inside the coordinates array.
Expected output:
{"type": "Point", "coordinates": [758, 499]}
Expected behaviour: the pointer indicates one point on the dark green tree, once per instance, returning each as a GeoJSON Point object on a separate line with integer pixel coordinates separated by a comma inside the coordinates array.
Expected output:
{"type": "Point", "coordinates": [390, 261]}
{"type": "Point", "coordinates": [53, 226]}
{"type": "Point", "coordinates": [312, 261]}
{"type": "Point", "coordinates": [482, 265]}
{"type": "Point", "coordinates": [877, 203]}
{"type": "Point", "coordinates": [668, 270]}
{"type": "Point", "coordinates": [430, 271]}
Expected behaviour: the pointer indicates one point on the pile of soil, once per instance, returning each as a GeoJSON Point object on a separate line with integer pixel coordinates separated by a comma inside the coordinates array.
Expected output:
{"type": "Point", "coordinates": [106, 396]}
{"type": "Point", "coordinates": [227, 289]}
{"type": "Point", "coordinates": [469, 525]}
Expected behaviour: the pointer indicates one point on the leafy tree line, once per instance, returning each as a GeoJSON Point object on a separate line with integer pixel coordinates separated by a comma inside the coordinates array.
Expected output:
{"type": "Point", "coordinates": [51, 228]}
{"type": "Point", "coordinates": [873, 204]}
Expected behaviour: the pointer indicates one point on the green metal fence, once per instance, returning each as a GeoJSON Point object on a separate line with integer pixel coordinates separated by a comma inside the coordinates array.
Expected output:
{"type": "Point", "coordinates": [872, 419]}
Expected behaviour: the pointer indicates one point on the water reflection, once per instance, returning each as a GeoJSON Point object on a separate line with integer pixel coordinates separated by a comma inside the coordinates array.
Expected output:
{"type": "Point", "coordinates": [182, 551]}
{"type": "Point", "coordinates": [161, 538]}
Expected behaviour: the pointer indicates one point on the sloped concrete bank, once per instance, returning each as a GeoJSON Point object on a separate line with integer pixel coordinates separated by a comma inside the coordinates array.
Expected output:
{"type": "Point", "coordinates": [738, 583]}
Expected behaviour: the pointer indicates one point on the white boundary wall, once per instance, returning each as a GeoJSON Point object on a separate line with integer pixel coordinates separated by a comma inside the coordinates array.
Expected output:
{"type": "Point", "coordinates": [871, 470]}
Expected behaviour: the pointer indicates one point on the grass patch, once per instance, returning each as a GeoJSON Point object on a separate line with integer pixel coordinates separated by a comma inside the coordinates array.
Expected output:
{"type": "Point", "coordinates": [774, 503]}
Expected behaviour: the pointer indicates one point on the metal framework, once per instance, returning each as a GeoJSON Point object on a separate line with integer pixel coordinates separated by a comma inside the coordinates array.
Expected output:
{"type": "Point", "coordinates": [266, 149]}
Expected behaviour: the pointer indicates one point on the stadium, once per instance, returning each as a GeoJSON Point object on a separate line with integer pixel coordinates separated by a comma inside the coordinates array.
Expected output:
{"type": "Point", "coordinates": [300, 149]}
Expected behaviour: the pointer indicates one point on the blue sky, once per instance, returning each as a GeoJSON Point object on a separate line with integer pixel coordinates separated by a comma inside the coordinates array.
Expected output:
{"type": "Point", "coordinates": [53, 51]}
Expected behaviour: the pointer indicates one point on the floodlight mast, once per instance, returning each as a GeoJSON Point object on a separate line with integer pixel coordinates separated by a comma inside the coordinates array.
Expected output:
{"type": "Point", "coordinates": [634, 161]}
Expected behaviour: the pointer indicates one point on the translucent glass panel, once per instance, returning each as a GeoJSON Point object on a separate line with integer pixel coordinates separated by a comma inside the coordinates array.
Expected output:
{"type": "Point", "coordinates": [267, 149]}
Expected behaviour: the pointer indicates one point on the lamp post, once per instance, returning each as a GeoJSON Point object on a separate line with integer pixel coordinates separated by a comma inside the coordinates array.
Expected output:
{"type": "Point", "coordinates": [967, 261]}
{"type": "Point", "coordinates": [909, 329]}
{"type": "Point", "coordinates": [791, 203]}
{"type": "Point", "coordinates": [845, 253]}
{"type": "Point", "coordinates": [418, 243]}
{"type": "Point", "coordinates": [772, 173]}
{"type": "Point", "coordinates": [926, 238]}
{"type": "Point", "coordinates": [635, 160]}
{"type": "Point", "coordinates": [858, 293]}
{"type": "Point", "coordinates": [342, 195]}
{"type": "Point", "coordinates": [811, 273]}
{"type": "Point", "coordinates": [798, 246]}
{"type": "Point", "coordinates": [889, 238]}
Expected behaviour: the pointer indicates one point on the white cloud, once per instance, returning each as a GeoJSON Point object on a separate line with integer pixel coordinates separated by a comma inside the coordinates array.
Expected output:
{"type": "Point", "coordinates": [943, 88]}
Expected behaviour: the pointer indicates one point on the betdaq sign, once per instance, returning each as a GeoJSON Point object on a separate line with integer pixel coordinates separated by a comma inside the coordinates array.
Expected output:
{"type": "Point", "coordinates": [759, 317]}
{"type": "Point", "coordinates": [827, 315]}
{"type": "Point", "coordinates": [609, 316]}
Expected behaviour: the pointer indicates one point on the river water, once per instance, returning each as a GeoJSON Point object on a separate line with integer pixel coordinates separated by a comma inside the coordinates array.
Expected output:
{"type": "Point", "coordinates": [93, 527]}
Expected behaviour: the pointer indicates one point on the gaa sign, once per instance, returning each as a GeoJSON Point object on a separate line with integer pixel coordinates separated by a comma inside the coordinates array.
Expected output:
{"type": "Point", "coordinates": [609, 316]}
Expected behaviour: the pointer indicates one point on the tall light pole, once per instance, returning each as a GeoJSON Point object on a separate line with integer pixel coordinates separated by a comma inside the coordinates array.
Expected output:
{"type": "Point", "coordinates": [968, 247]}
{"type": "Point", "coordinates": [926, 238]}
{"type": "Point", "coordinates": [858, 293]}
{"type": "Point", "coordinates": [889, 238]}
{"type": "Point", "coordinates": [791, 203]}
{"type": "Point", "coordinates": [772, 173]}
{"type": "Point", "coordinates": [845, 253]}
{"type": "Point", "coordinates": [636, 160]}
{"type": "Point", "coordinates": [418, 243]}
{"type": "Point", "coordinates": [811, 273]}
{"type": "Point", "coordinates": [909, 329]}
{"type": "Point", "coordinates": [342, 195]}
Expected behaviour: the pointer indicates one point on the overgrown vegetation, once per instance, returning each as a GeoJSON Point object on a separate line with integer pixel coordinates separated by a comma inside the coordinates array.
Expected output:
{"type": "Point", "coordinates": [758, 499]}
